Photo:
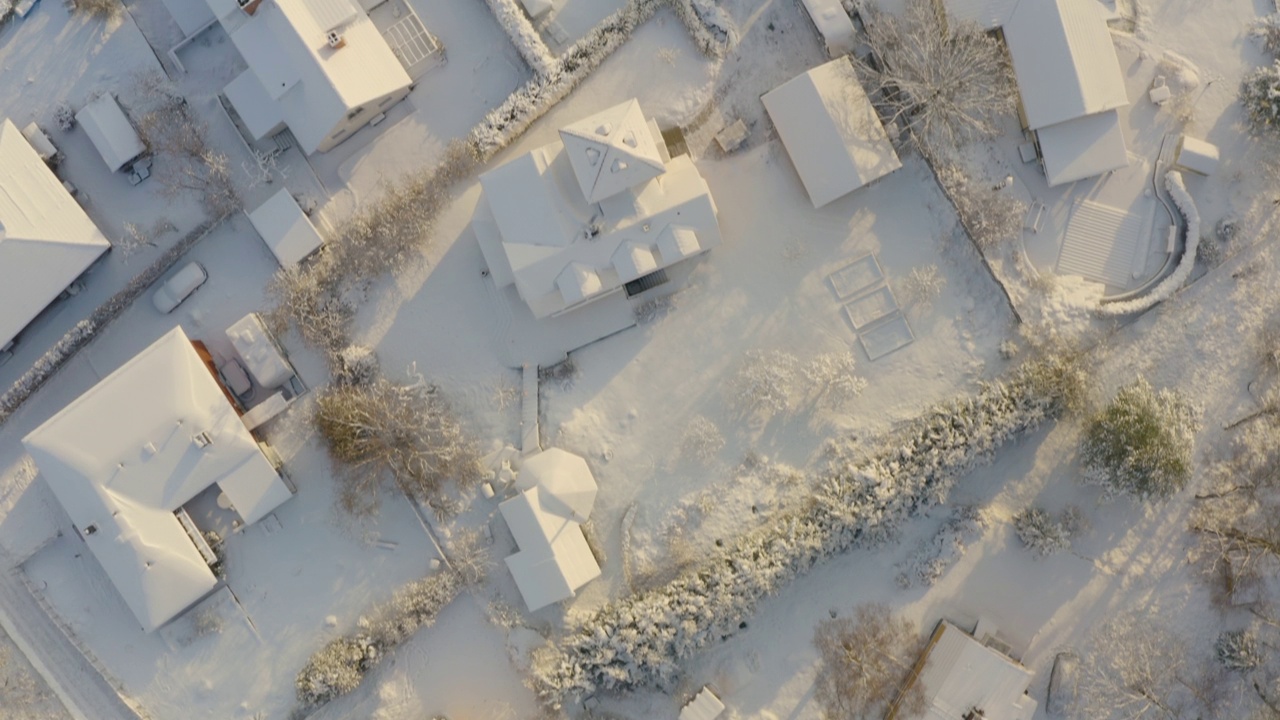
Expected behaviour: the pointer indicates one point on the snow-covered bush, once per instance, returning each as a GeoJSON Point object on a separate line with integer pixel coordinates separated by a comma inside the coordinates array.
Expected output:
{"type": "Point", "coordinates": [85, 330]}
{"type": "Point", "coordinates": [763, 383]}
{"type": "Point", "coordinates": [923, 285]}
{"type": "Point", "coordinates": [701, 440]}
{"type": "Point", "coordinates": [1140, 444]}
{"type": "Point", "coordinates": [830, 378]}
{"type": "Point", "coordinates": [528, 43]}
{"type": "Point", "coordinates": [1041, 532]}
{"type": "Point", "coordinates": [947, 80]}
{"type": "Point", "coordinates": [1266, 30]}
{"type": "Point", "coordinates": [865, 660]}
{"type": "Point", "coordinates": [104, 9]}
{"type": "Point", "coordinates": [1238, 650]}
{"type": "Point", "coordinates": [1260, 96]}
{"type": "Point", "coordinates": [991, 217]}
{"type": "Point", "coordinates": [356, 365]}
{"type": "Point", "coordinates": [340, 666]}
{"type": "Point", "coordinates": [945, 548]}
{"type": "Point", "coordinates": [1167, 287]}
{"type": "Point", "coordinates": [405, 434]}
{"type": "Point", "coordinates": [532, 100]}
{"type": "Point", "coordinates": [859, 500]}
{"type": "Point", "coordinates": [64, 117]}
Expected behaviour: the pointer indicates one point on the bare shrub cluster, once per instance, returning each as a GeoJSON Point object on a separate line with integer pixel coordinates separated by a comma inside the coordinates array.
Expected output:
{"type": "Point", "coordinates": [102, 9]}
{"type": "Point", "coordinates": [384, 432]}
{"type": "Point", "coordinates": [866, 661]}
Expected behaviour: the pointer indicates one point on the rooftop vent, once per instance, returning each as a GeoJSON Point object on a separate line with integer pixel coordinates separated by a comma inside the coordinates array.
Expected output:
{"type": "Point", "coordinates": [604, 129]}
{"type": "Point", "coordinates": [249, 6]}
{"type": "Point", "coordinates": [202, 439]}
{"type": "Point", "coordinates": [90, 529]}
{"type": "Point", "coordinates": [335, 38]}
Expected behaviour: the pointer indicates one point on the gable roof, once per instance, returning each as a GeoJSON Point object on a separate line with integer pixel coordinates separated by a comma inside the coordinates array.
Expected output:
{"type": "Point", "coordinates": [315, 86]}
{"type": "Point", "coordinates": [46, 239]}
{"type": "Point", "coordinates": [611, 151]}
{"type": "Point", "coordinates": [134, 448]}
{"type": "Point", "coordinates": [1083, 147]}
{"type": "Point", "coordinates": [554, 559]}
{"type": "Point", "coordinates": [110, 131]}
{"type": "Point", "coordinates": [962, 673]}
{"type": "Point", "coordinates": [830, 131]}
{"type": "Point", "coordinates": [1064, 60]}
{"type": "Point", "coordinates": [566, 485]}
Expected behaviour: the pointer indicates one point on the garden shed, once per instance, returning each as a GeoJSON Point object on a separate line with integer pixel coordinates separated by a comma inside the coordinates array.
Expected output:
{"type": "Point", "coordinates": [110, 131]}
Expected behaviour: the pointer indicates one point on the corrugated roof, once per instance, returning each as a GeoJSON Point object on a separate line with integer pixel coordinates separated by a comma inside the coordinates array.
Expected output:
{"type": "Point", "coordinates": [1064, 59]}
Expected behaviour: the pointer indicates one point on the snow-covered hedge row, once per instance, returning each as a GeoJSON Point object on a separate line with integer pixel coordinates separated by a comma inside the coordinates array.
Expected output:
{"type": "Point", "coordinates": [87, 329]}
{"type": "Point", "coordinates": [860, 500]}
{"type": "Point", "coordinates": [1168, 286]}
{"type": "Point", "coordinates": [341, 665]}
{"type": "Point", "coordinates": [934, 556]}
{"type": "Point", "coordinates": [523, 35]}
{"type": "Point", "coordinates": [509, 120]}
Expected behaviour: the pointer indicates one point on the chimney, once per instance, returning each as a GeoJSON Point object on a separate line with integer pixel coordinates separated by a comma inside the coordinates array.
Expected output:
{"type": "Point", "coordinates": [336, 40]}
{"type": "Point", "coordinates": [249, 6]}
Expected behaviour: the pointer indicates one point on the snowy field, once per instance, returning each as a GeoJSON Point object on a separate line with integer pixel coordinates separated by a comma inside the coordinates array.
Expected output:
{"type": "Point", "coordinates": [680, 467]}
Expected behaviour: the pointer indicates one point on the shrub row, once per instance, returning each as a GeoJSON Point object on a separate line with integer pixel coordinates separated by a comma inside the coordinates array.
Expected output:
{"type": "Point", "coordinates": [859, 501]}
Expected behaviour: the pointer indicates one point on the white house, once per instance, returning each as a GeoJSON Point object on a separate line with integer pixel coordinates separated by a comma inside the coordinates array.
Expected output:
{"type": "Point", "coordinates": [123, 459]}
{"type": "Point", "coordinates": [46, 240]}
{"type": "Point", "coordinates": [318, 67]}
{"type": "Point", "coordinates": [830, 131]}
{"type": "Point", "coordinates": [961, 676]}
{"type": "Point", "coordinates": [603, 209]}
{"type": "Point", "coordinates": [1071, 86]}
{"type": "Point", "coordinates": [557, 492]}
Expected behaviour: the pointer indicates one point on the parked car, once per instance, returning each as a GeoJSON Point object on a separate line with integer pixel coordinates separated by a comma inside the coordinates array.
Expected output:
{"type": "Point", "coordinates": [179, 287]}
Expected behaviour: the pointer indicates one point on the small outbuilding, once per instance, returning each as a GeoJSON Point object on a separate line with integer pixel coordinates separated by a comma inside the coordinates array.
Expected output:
{"type": "Point", "coordinates": [554, 560]}
{"type": "Point", "coordinates": [704, 706]}
{"type": "Point", "coordinates": [285, 229]}
{"type": "Point", "coordinates": [961, 676]}
{"type": "Point", "coordinates": [839, 36]}
{"type": "Point", "coordinates": [110, 131]}
{"type": "Point", "coordinates": [1197, 156]}
{"type": "Point", "coordinates": [830, 131]}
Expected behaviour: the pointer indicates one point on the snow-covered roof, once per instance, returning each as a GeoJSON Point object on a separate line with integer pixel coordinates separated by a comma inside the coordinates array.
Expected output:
{"type": "Point", "coordinates": [314, 85]}
{"type": "Point", "coordinates": [285, 229]}
{"type": "Point", "coordinates": [1083, 147]}
{"type": "Point", "coordinates": [1064, 59]}
{"type": "Point", "coordinates": [190, 15]}
{"type": "Point", "coordinates": [261, 116]}
{"type": "Point", "coordinates": [565, 483]}
{"type": "Point", "coordinates": [125, 455]}
{"type": "Point", "coordinates": [961, 674]}
{"type": "Point", "coordinates": [554, 559]}
{"type": "Point", "coordinates": [1197, 156]}
{"type": "Point", "coordinates": [109, 130]}
{"type": "Point", "coordinates": [834, 25]}
{"type": "Point", "coordinates": [611, 151]}
{"type": "Point", "coordinates": [704, 706]}
{"type": "Point", "coordinates": [988, 14]}
{"type": "Point", "coordinates": [46, 240]}
{"type": "Point", "coordinates": [538, 231]}
{"type": "Point", "coordinates": [830, 131]}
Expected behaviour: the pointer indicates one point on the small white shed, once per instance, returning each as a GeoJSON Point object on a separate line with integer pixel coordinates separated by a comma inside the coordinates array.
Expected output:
{"type": "Point", "coordinates": [109, 130]}
{"type": "Point", "coordinates": [834, 25]}
{"type": "Point", "coordinates": [1197, 156]}
{"type": "Point", "coordinates": [285, 229]}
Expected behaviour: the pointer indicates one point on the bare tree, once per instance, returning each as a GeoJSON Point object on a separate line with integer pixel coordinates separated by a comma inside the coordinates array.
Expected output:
{"type": "Point", "coordinates": [184, 161]}
{"type": "Point", "coordinates": [263, 167]}
{"type": "Point", "coordinates": [923, 285]}
{"type": "Point", "coordinates": [404, 434]}
{"type": "Point", "coordinates": [866, 662]}
{"type": "Point", "coordinates": [1139, 668]}
{"type": "Point", "coordinates": [946, 80]}
{"type": "Point", "coordinates": [763, 383]}
{"type": "Point", "coordinates": [831, 378]}
{"type": "Point", "coordinates": [307, 298]}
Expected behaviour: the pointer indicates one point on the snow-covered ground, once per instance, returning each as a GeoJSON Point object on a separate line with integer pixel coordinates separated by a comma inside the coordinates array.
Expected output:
{"type": "Point", "coordinates": [630, 407]}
